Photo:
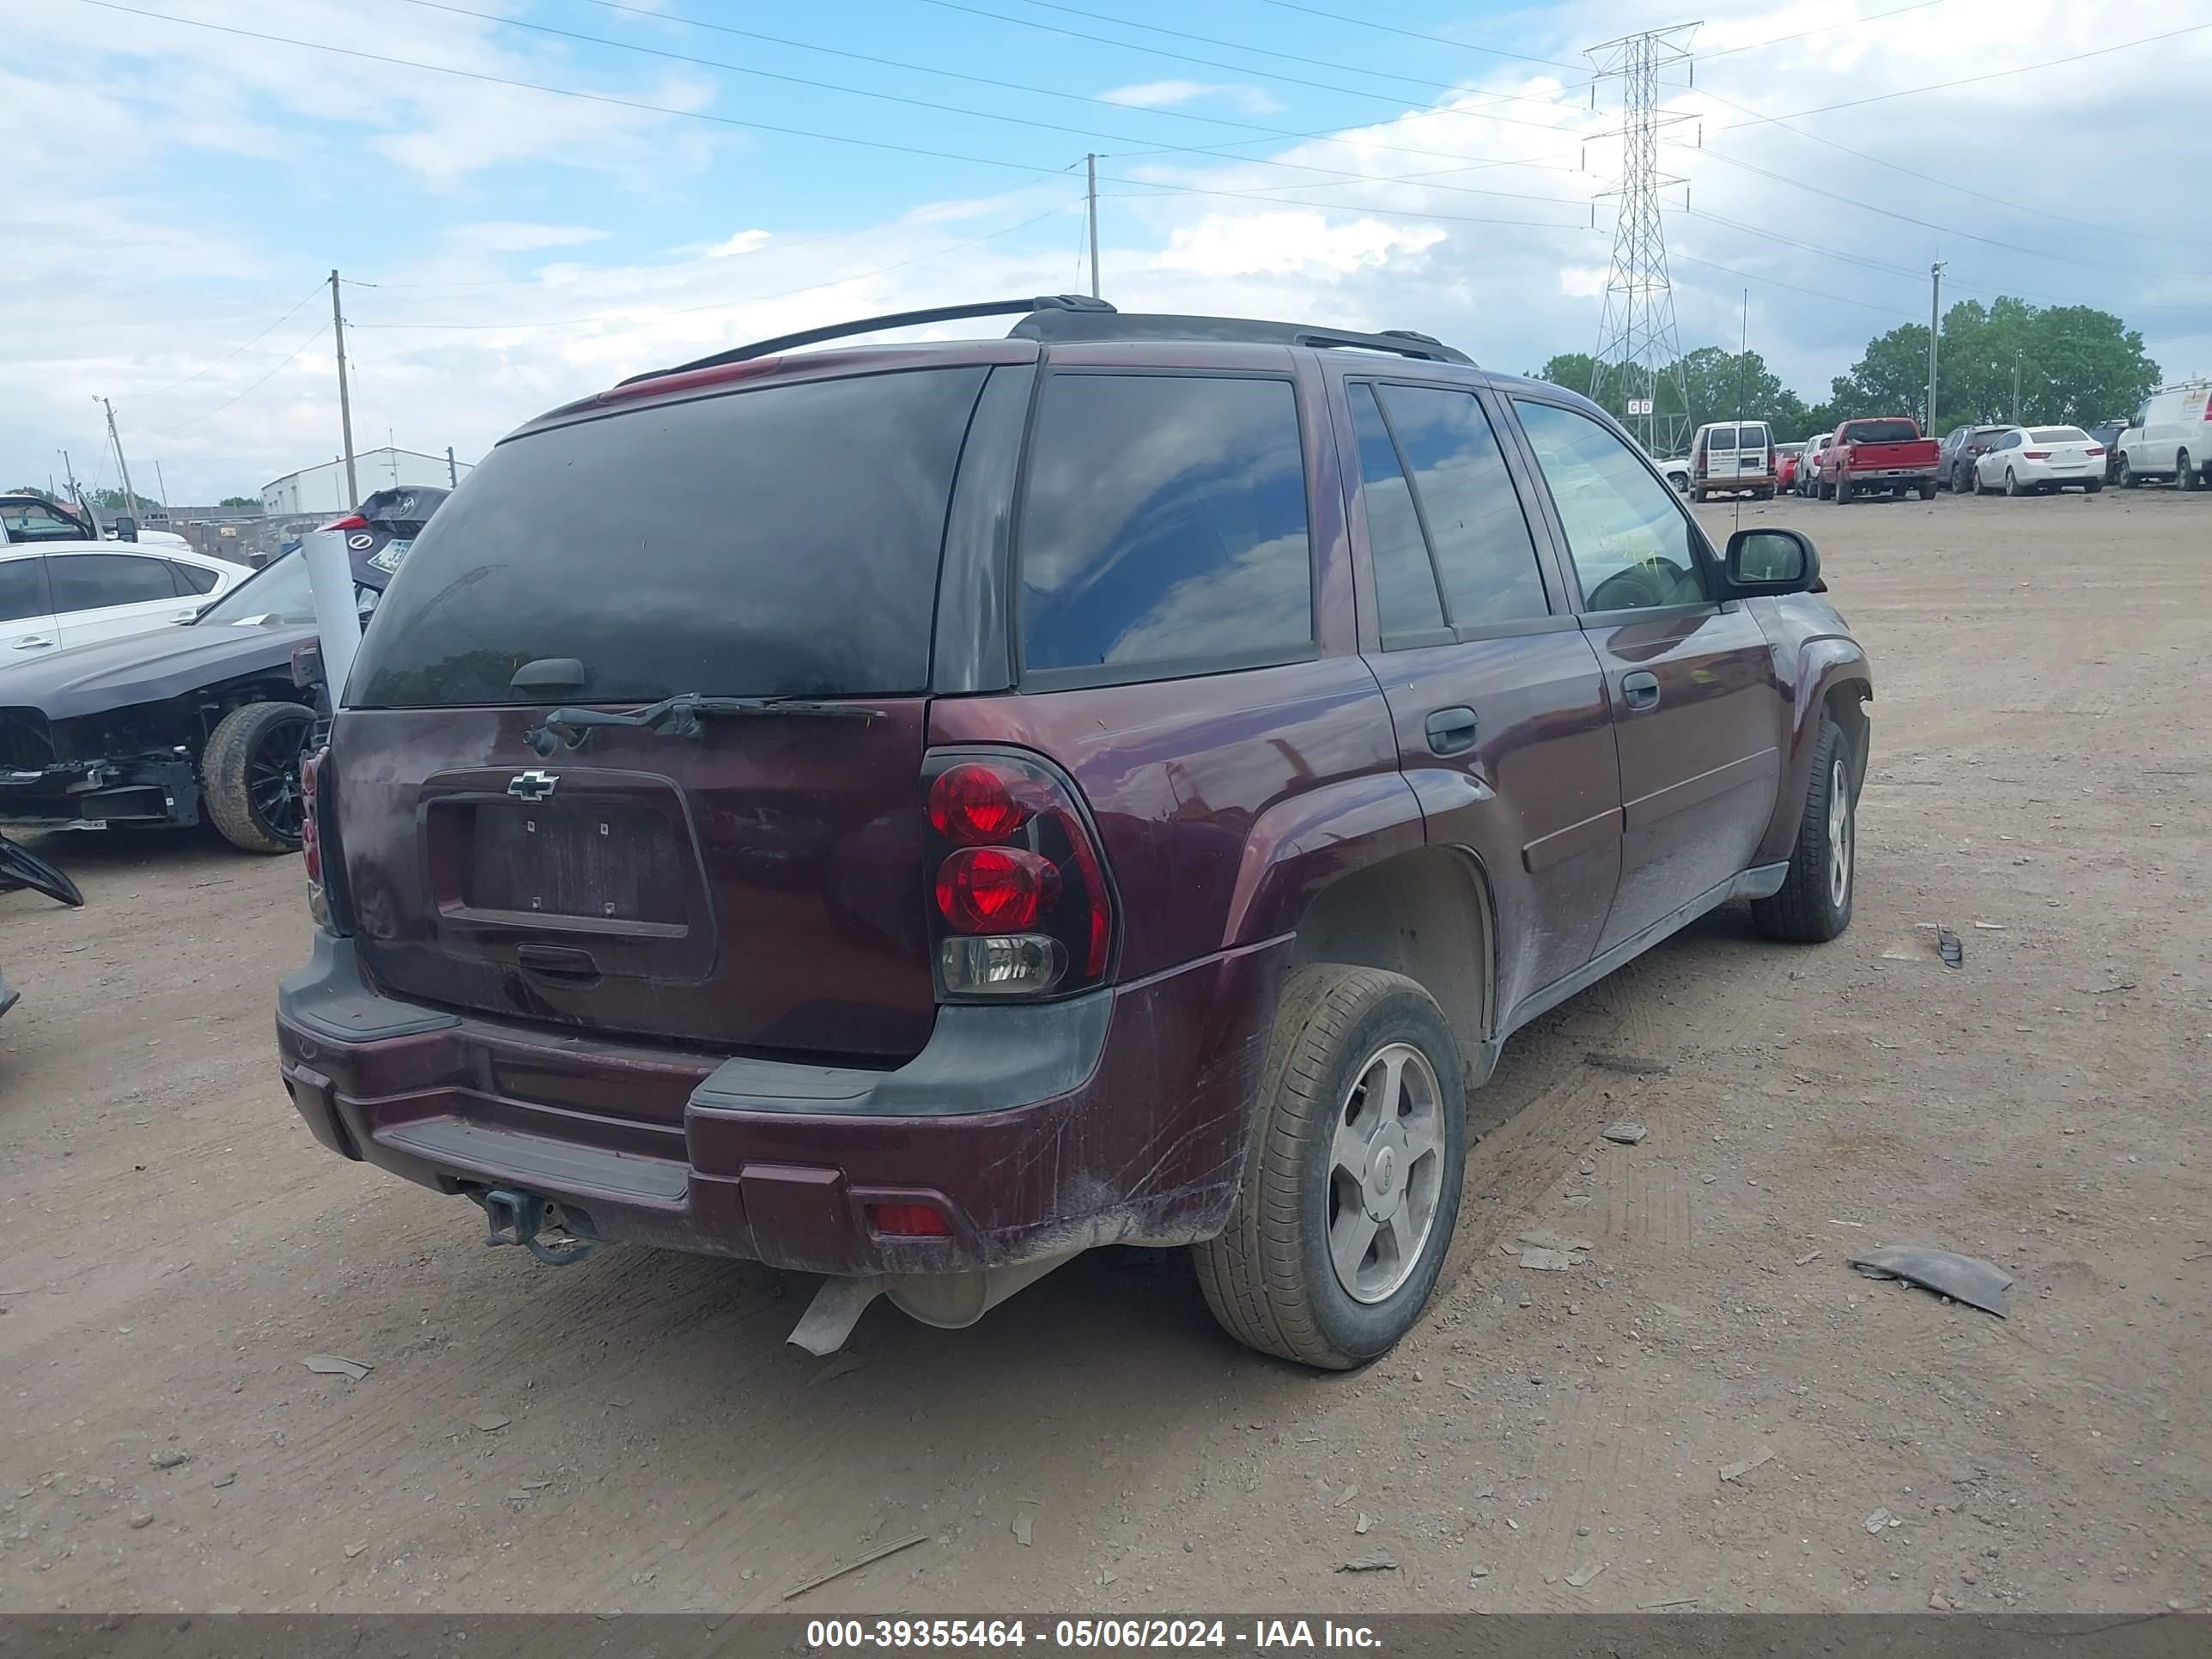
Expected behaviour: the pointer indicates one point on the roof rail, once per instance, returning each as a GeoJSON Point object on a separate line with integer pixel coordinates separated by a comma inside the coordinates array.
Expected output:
{"type": "Point", "coordinates": [1041, 303]}
{"type": "Point", "coordinates": [1085, 324]}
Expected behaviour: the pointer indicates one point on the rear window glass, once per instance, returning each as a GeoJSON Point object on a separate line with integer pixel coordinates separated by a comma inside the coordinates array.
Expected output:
{"type": "Point", "coordinates": [1880, 432]}
{"type": "Point", "coordinates": [1165, 524]}
{"type": "Point", "coordinates": [780, 541]}
{"type": "Point", "coordinates": [1721, 437]}
{"type": "Point", "coordinates": [2059, 435]}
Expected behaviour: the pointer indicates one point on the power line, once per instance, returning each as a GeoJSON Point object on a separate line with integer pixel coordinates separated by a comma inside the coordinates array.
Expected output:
{"type": "Point", "coordinates": [741, 300]}
{"type": "Point", "coordinates": [1326, 136]}
{"type": "Point", "coordinates": [211, 368]}
{"type": "Point", "coordinates": [163, 431]}
{"type": "Point", "coordinates": [892, 97]}
{"type": "Point", "coordinates": [1415, 34]}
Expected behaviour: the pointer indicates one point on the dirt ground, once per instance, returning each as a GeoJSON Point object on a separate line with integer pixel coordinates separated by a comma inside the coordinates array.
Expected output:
{"type": "Point", "coordinates": [176, 1245]}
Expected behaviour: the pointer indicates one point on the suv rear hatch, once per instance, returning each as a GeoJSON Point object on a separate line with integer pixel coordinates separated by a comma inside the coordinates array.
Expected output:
{"type": "Point", "coordinates": [742, 877]}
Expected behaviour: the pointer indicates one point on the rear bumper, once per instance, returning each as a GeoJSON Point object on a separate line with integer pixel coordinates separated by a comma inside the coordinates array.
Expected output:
{"type": "Point", "coordinates": [1120, 1116]}
{"type": "Point", "coordinates": [1715, 486]}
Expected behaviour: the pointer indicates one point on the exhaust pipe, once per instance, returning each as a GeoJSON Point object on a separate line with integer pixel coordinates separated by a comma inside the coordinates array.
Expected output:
{"type": "Point", "coordinates": [951, 1302]}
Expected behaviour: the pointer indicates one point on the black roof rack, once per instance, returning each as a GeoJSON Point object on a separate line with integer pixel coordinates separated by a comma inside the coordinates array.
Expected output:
{"type": "Point", "coordinates": [1038, 303]}
{"type": "Point", "coordinates": [1107, 323]}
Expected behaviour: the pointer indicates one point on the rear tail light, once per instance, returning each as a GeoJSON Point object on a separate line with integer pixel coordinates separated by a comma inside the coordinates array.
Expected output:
{"type": "Point", "coordinates": [2094, 449]}
{"type": "Point", "coordinates": [1020, 905]}
{"type": "Point", "coordinates": [351, 521]}
{"type": "Point", "coordinates": [908, 1221]}
{"type": "Point", "coordinates": [2035, 454]}
{"type": "Point", "coordinates": [311, 838]}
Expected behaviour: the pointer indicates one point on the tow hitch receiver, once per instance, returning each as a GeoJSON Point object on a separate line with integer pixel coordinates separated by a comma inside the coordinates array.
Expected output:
{"type": "Point", "coordinates": [558, 1234]}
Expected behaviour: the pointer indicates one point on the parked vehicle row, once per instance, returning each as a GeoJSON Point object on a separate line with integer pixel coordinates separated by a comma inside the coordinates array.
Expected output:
{"type": "Point", "coordinates": [2169, 437]}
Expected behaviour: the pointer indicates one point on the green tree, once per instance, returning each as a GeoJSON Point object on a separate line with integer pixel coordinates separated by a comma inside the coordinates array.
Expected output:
{"type": "Point", "coordinates": [1709, 385]}
{"type": "Point", "coordinates": [114, 501]}
{"type": "Point", "coordinates": [240, 501]}
{"type": "Point", "coordinates": [33, 489]}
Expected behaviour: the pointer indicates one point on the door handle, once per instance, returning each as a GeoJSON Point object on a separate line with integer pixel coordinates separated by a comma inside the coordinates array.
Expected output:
{"type": "Point", "coordinates": [1640, 690]}
{"type": "Point", "coordinates": [35, 643]}
{"type": "Point", "coordinates": [1452, 730]}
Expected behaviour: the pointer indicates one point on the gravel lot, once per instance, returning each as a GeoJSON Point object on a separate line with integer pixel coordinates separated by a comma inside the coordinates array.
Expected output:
{"type": "Point", "coordinates": [634, 1434]}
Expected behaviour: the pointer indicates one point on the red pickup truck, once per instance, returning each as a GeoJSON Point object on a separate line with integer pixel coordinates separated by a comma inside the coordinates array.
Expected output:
{"type": "Point", "coordinates": [1885, 454]}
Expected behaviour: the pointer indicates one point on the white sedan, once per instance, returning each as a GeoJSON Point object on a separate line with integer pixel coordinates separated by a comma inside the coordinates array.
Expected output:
{"type": "Point", "coordinates": [2029, 459]}
{"type": "Point", "coordinates": [60, 593]}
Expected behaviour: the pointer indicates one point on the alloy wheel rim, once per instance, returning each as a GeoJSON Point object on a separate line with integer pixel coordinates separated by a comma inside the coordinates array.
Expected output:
{"type": "Point", "coordinates": [1839, 835]}
{"type": "Point", "coordinates": [272, 779]}
{"type": "Point", "coordinates": [1385, 1172]}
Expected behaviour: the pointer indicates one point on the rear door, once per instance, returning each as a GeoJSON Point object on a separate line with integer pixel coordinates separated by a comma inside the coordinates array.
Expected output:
{"type": "Point", "coordinates": [27, 626]}
{"type": "Point", "coordinates": [747, 879]}
{"type": "Point", "coordinates": [1697, 705]}
{"type": "Point", "coordinates": [106, 596]}
{"type": "Point", "coordinates": [1497, 701]}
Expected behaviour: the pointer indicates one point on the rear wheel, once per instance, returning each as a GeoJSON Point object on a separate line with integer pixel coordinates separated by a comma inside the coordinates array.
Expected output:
{"type": "Point", "coordinates": [2092, 486]}
{"type": "Point", "coordinates": [1351, 1187]}
{"type": "Point", "coordinates": [1927, 490]}
{"type": "Point", "coordinates": [1814, 903]}
{"type": "Point", "coordinates": [2128, 479]}
{"type": "Point", "coordinates": [2185, 471]}
{"type": "Point", "coordinates": [250, 775]}
{"type": "Point", "coordinates": [1840, 492]}
{"type": "Point", "coordinates": [2012, 482]}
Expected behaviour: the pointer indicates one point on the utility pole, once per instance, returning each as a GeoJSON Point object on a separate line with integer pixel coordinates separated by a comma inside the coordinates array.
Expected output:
{"type": "Point", "coordinates": [2015, 391]}
{"type": "Point", "coordinates": [453, 472]}
{"type": "Point", "coordinates": [1090, 207]}
{"type": "Point", "coordinates": [162, 485]}
{"type": "Point", "coordinates": [345, 403]}
{"type": "Point", "coordinates": [129, 496]}
{"type": "Point", "coordinates": [1935, 306]}
{"type": "Point", "coordinates": [1638, 342]}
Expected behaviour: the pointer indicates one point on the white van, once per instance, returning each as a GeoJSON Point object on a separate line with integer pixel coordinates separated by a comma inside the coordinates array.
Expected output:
{"type": "Point", "coordinates": [2170, 437]}
{"type": "Point", "coordinates": [1732, 456]}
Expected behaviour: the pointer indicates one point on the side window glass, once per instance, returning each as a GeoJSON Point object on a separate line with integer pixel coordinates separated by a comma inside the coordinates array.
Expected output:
{"type": "Point", "coordinates": [89, 581]}
{"type": "Point", "coordinates": [191, 579]}
{"type": "Point", "coordinates": [22, 589]}
{"type": "Point", "coordinates": [1486, 553]}
{"type": "Point", "coordinates": [1405, 582]}
{"type": "Point", "coordinates": [1165, 523]}
{"type": "Point", "coordinates": [1630, 544]}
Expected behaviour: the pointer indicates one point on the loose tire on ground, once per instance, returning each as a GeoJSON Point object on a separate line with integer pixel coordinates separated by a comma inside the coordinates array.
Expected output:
{"type": "Point", "coordinates": [235, 764]}
{"type": "Point", "coordinates": [1271, 1278]}
{"type": "Point", "coordinates": [1814, 904]}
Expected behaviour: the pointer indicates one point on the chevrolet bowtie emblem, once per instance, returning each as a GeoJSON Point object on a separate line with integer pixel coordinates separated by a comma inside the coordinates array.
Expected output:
{"type": "Point", "coordinates": [532, 784]}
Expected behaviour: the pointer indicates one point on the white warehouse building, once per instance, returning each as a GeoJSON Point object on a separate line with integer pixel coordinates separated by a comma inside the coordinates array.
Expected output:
{"type": "Point", "coordinates": [321, 490]}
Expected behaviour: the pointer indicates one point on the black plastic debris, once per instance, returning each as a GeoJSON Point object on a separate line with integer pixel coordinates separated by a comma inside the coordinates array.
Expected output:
{"type": "Point", "coordinates": [1947, 946]}
{"type": "Point", "coordinates": [1964, 1279]}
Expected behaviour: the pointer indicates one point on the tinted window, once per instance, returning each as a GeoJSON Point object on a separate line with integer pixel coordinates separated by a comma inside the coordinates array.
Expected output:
{"type": "Point", "coordinates": [1721, 437]}
{"type": "Point", "coordinates": [88, 581]}
{"type": "Point", "coordinates": [1880, 432]}
{"type": "Point", "coordinates": [1630, 542]}
{"type": "Point", "coordinates": [782, 541]}
{"type": "Point", "coordinates": [1484, 550]}
{"type": "Point", "coordinates": [1405, 582]}
{"type": "Point", "coordinates": [22, 589]}
{"type": "Point", "coordinates": [191, 579]}
{"type": "Point", "coordinates": [1165, 522]}
{"type": "Point", "coordinates": [2059, 435]}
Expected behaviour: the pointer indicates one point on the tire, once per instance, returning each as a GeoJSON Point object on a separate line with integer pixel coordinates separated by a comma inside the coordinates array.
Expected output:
{"type": "Point", "coordinates": [1841, 491]}
{"type": "Point", "coordinates": [1980, 488]}
{"type": "Point", "coordinates": [1809, 908]}
{"type": "Point", "coordinates": [1271, 1279]}
{"type": "Point", "coordinates": [1927, 490]}
{"type": "Point", "coordinates": [2012, 485]}
{"type": "Point", "coordinates": [2185, 472]}
{"type": "Point", "coordinates": [2092, 486]}
{"type": "Point", "coordinates": [2128, 479]}
{"type": "Point", "coordinates": [251, 757]}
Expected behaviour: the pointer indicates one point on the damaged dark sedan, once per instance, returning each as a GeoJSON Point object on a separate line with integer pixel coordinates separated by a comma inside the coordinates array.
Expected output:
{"type": "Point", "coordinates": [202, 722]}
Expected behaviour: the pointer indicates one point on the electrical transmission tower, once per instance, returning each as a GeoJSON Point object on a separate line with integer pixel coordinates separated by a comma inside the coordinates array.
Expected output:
{"type": "Point", "coordinates": [1638, 351]}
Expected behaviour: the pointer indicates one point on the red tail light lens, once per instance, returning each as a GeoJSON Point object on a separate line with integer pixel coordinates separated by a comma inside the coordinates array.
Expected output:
{"type": "Point", "coordinates": [1022, 902]}
{"type": "Point", "coordinates": [996, 889]}
{"type": "Point", "coordinates": [2094, 449]}
{"type": "Point", "coordinates": [351, 521]}
{"type": "Point", "coordinates": [908, 1221]}
{"type": "Point", "coordinates": [2035, 454]}
{"type": "Point", "coordinates": [974, 804]}
{"type": "Point", "coordinates": [311, 840]}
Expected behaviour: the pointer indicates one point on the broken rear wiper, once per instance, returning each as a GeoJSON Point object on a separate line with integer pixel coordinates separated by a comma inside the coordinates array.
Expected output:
{"type": "Point", "coordinates": [680, 716]}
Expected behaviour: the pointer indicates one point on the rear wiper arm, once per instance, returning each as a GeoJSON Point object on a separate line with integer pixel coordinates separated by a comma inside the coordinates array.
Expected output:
{"type": "Point", "coordinates": [680, 716]}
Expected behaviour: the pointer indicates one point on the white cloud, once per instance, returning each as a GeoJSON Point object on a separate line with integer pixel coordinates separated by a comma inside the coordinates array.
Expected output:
{"type": "Point", "coordinates": [1170, 95]}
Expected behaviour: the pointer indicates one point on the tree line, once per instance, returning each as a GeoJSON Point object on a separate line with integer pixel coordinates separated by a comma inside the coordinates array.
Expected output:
{"type": "Point", "coordinates": [113, 500]}
{"type": "Point", "coordinates": [2074, 366]}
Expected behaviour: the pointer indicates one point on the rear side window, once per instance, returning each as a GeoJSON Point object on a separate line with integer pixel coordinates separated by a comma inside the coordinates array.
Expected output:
{"type": "Point", "coordinates": [1405, 584]}
{"type": "Point", "coordinates": [191, 579]}
{"type": "Point", "coordinates": [89, 581]}
{"type": "Point", "coordinates": [1484, 552]}
{"type": "Point", "coordinates": [22, 589]}
{"type": "Point", "coordinates": [1164, 525]}
{"type": "Point", "coordinates": [778, 542]}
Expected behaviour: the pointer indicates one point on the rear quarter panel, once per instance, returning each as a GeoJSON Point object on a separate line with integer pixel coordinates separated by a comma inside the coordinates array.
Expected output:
{"type": "Point", "coordinates": [1813, 654]}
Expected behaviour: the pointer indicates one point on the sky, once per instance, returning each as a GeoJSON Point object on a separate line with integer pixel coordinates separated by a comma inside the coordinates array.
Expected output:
{"type": "Point", "coordinates": [529, 199]}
